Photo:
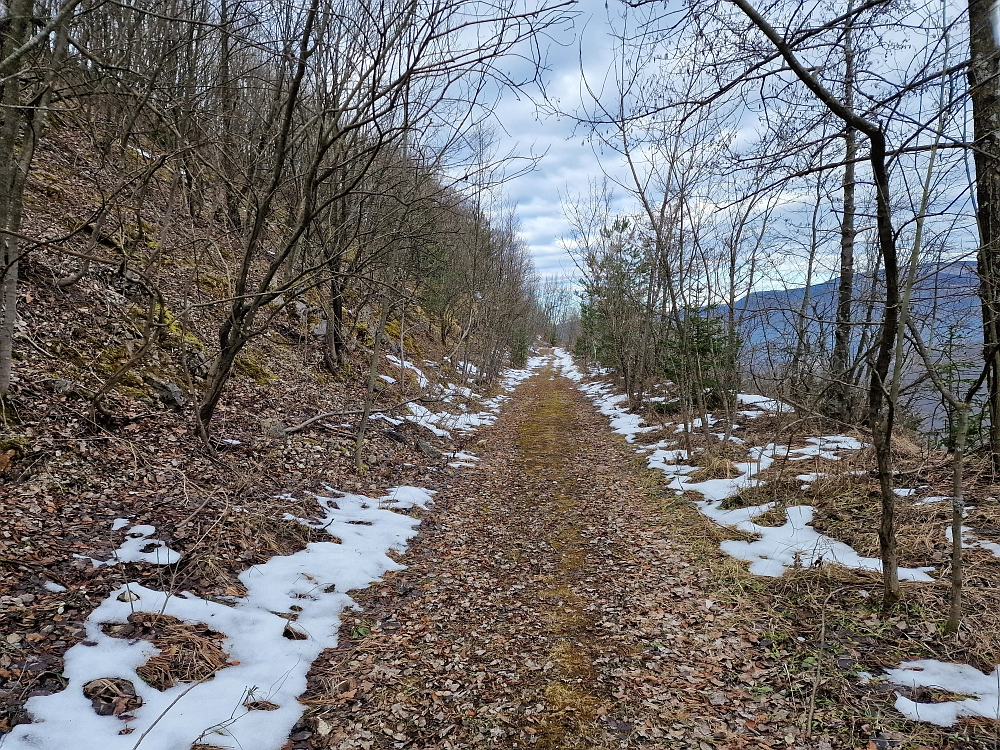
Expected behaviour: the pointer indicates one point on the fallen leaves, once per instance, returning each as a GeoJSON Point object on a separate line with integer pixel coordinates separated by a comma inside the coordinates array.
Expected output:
{"type": "Point", "coordinates": [546, 605]}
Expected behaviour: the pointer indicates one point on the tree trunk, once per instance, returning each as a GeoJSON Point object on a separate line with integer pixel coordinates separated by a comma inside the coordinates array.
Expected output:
{"type": "Point", "coordinates": [985, 95]}
{"type": "Point", "coordinates": [334, 346]}
{"type": "Point", "coordinates": [881, 411]}
{"type": "Point", "coordinates": [845, 288]}
{"type": "Point", "coordinates": [372, 377]}
{"type": "Point", "coordinates": [16, 154]}
{"type": "Point", "coordinates": [231, 343]}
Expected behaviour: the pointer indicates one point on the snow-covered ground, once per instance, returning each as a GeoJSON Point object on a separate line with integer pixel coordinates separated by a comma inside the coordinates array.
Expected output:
{"type": "Point", "coordinates": [983, 691]}
{"type": "Point", "coordinates": [305, 592]}
{"type": "Point", "coordinates": [422, 379]}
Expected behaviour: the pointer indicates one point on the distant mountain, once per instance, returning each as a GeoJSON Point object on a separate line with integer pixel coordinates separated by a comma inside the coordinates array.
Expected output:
{"type": "Point", "coordinates": [944, 302]}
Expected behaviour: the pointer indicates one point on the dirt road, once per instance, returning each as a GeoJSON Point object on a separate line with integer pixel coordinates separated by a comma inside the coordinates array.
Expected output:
{"type": "Point", "coordinates": [554, 599]}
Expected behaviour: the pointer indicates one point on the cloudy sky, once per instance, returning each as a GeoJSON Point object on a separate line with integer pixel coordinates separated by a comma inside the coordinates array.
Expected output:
{"type": "Point", "coordinates": [569, 161]}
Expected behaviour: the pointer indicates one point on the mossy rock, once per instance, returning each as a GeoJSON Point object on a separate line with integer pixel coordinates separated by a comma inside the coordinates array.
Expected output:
{"type": "Point", "coordinates": [109, 360]}
{"type": "Point", "coordinates": [392, 332]}
{"type": "Point", "coordinates": [248, 367]}
{"type": "Point", "coordinates": [174, 336]}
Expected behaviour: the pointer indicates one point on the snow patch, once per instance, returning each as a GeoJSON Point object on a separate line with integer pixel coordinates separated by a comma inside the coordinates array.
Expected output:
{"type": "Point", "coordinates": [796, 542]}
{"type": "Point", "coordinates": [969, 539]}
{"type": "Point", "coordinates": [138, 547]}
{"type": "Point", "coordinates": [422, 380]}
{"type": "Point", "coordinates": [763, 402]}
{"type": "Point", "coordinates": [305, 591]}
{"type": "Point", "coordinates": [961, 679]}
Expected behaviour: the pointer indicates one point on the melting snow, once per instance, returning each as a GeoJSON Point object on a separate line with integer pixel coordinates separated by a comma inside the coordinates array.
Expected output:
{"type": "Point", "coordinates": [777, 548]}
{"type": "Point", "coordinates": [422, 380]}
{"type": "Point", "coordinates": [305, 591]}
{"type": "Point", "coordinates": [444, 423]}
{"type": "Point", "coordinates": [795, 543]}
{"type": "Point", "coordinates": [961, 679]}
{"type": "Point", "coordinates": [763, 402]}
{"type": "Point", "coordinates": [932, 499]}
{"type": "Point", "coordinates": [969, 539]}
{"type": "Point", "coordinates": [138, 547]}
{"type": "Point", "coordinates": [461, 459]}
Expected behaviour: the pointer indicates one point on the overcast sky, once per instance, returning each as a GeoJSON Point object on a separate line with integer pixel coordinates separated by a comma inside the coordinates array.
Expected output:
{"type": "Point", "coordinates": [569, 161]}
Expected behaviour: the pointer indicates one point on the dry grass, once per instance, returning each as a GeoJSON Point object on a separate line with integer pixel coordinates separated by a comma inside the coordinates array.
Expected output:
{"type": "Point", "coordinates": [189, 652]}
{"type": "Point", "coordinates": [827, 623]}
{"type": "Point", "coordinates": [784, 492]}
{"type": "Point", "coordinates": [713, 468]}
{"type": "Point", "coordinates": [252, 536]}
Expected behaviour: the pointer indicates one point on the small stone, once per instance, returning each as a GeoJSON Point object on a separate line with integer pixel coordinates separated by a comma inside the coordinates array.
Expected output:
{"type": "Point", "coordinates": [168, 393]}
{"type": "Point", "coordinates": [128, 596]}
{"type": "Point", "coordinates": [427, 449]}
{"type": "Point", "coordinates": [717, 699]}
{"type": "Point", "coordinates": [62, 387]}
{"type": "Point", "coordinates": [274, 429]}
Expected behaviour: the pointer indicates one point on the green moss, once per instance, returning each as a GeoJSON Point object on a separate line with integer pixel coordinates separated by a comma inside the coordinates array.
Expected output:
{"type": "Point", "coordinates": [137, 393]}
{"type": "Point", "coordinates": [248, 367]}
{"type": "Point", "coordinates": [17, 444]}
{"type": "Point", "coordinates": [174, 336]}
{"type": "Point", "coordinates": [109, 360]}
{"type": "Point", "coordinates": [213, 283]}
{"type": "Point", "coordinates": [362, 335]}
{"type": "Point", "coordinates": [392, 332]}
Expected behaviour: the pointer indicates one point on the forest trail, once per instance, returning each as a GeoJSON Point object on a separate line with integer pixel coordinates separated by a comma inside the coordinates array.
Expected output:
{"type": "Point", "coordinates": [553, 599]}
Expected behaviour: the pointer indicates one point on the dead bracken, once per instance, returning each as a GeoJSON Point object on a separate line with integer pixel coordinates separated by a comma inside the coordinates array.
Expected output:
{"type": "Point", "coordinates": [188, 652]}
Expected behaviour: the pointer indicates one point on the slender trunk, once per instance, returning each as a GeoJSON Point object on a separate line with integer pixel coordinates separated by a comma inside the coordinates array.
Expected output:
{"type": "Point", "coordinates": [15, 162]}
{"type": "Point", "coordinates": [798, 368]}
{"type": "Point", "coordinates": [881, 414]}
{"type": "Point", "coordinates": [845, 288]}
{"type": "Point", "coordinates": [372, 377]}
{"type": "Point", "coordinates": [232, 341]}
{"type": "Point", "coordinates": [881, 409]}
{"type": "Point", "coordinates": [334, 349]}
{"type": "Point", "coordinates": [957, 514]}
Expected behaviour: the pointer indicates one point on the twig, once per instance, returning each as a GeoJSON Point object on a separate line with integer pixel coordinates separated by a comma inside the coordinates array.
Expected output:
{"type": "Point", "coordinates": [36, 347]}
{"type": "Point", "coordinates": [816, 680]}
{"type": "Point", "coordinates": [317, 418]}
{"type": "Point", "coordinates": [164, 712]}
